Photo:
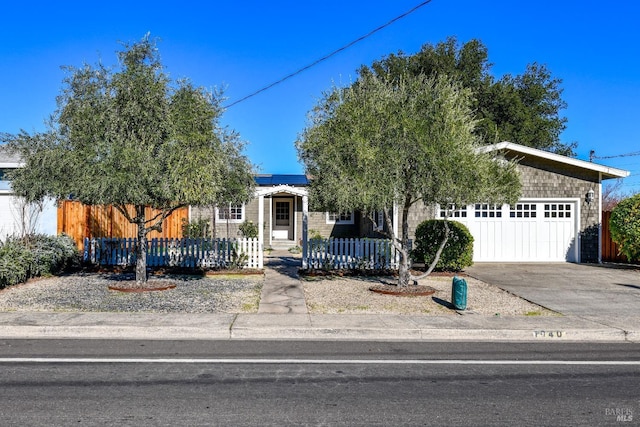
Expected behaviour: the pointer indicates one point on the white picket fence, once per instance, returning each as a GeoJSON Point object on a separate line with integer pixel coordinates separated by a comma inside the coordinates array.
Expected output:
{"type": "Point", "coordinates": [165, 252]}
{"type": "Point", "coordinates": [363, 254]}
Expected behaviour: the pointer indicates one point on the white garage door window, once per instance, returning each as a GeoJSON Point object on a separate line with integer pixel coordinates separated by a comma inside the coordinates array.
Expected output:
{"type": "Point", "coordinates": [531, 230]}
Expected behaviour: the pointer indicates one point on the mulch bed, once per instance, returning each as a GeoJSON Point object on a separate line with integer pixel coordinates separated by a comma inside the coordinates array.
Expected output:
{"type": "Point", "coordinates": [403, 291]}
{"type": "Point", "coordinates": [149, 286]}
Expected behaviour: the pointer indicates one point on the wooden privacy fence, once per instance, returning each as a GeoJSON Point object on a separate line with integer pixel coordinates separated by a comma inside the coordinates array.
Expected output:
{"type": "Point", "coordinates": [79, 221]}
{"type": "Point", "coordinates": [364, 254]}
{"type": "Point", "coordinates": [164, 252]}
{"type": "Point", "coordinates": [610, 249]}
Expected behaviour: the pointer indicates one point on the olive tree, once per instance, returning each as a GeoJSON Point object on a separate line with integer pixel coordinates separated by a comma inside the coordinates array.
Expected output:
{"type": "Point", "coordinates": [132, 137]}
{"type": "Point", "coordinates": [383, 142]}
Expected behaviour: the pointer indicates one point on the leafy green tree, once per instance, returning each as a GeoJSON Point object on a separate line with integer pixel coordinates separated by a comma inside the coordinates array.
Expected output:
{"type": "Point", "coordinates": [625, 227]}
{"type": "Point", "coordinates": [131, 136]}
{"type": "Point", "coordinates": [524, 108]}
{"type": "Point", "coordinates": [382, 142]}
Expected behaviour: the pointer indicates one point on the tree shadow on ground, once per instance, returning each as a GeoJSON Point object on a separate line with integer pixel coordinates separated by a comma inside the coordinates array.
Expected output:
{"type": "Point", "coordinates": [285, 265]}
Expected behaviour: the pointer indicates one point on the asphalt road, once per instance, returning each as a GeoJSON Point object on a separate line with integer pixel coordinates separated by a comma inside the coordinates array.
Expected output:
{"type": "Point", "coordinates": [93, 382]}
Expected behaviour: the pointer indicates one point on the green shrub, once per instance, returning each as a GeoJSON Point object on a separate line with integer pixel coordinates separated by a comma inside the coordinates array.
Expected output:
{"type": "Point", "coordinates": [457, 253]}
{"type": "Point", "coordinates": [35, 255]}
{"type": "Point", "coordinates": [15, 263]}
{"type": "Point", "coordinates": [625, 227]}
{"type": "Point", "coordinates": [51, 254]}
{"type": "Point", "coordinates": [196, 229]}
{"type": "Point", "coordinates": [248, 229]}
{"type": "Point", "coordinates": [314, 235]}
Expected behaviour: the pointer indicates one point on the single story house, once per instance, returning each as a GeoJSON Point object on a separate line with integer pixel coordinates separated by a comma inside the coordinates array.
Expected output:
{"type": "Point", "coordinates": [557, 219]}
{"type": "Point", "coordinates": [281, 205]}
{"type": "Point", "coordinates": [16, 217]}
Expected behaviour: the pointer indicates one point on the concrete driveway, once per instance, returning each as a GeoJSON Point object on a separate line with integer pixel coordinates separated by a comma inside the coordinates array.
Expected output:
{"type": "Point", "coordinates": [601, 293]}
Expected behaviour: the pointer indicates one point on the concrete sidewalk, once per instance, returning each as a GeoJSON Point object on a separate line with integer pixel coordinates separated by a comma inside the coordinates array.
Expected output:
{"type": "Point", "coordinates": [282, 314]}
{"type": "Point", "coordinates": [469, 327]}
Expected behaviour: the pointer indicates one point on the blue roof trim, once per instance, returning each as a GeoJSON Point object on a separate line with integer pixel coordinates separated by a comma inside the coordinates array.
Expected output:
{"type": "Point", "coordinates": [294, 180]}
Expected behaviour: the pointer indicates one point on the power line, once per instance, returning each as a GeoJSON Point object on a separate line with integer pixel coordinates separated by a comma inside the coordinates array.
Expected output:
{"type": "Point", "coordinates": [324, 58]}
{"type": "Point", "coordinates": [592, 155]}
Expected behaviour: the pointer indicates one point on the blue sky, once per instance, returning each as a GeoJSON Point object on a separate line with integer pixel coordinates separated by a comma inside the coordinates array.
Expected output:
{"type": "Point", "coordinates": [593, 46]}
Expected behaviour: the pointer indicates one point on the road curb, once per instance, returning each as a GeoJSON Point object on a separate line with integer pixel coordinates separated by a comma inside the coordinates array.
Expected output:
{"type": "Point", "coordinates": [126, 332]}
{"type": "Point", "coordinates": [156, 326]}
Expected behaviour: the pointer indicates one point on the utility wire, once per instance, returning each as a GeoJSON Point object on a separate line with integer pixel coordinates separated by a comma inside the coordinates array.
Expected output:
{"type": "Point", "coordinates": [592, 155]}
{"type": "Point", "coordinates": [324, 58]}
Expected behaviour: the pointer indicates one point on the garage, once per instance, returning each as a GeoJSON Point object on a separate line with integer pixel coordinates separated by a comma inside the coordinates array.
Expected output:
{"type": "Point", "coordinates": [16, 217]}
{"type": "Point", "coordinates": [557, 219]}
{"type": "Point", "coordinates": [8, 224]}
{"type": "Point", "coordinates": [531, 230]}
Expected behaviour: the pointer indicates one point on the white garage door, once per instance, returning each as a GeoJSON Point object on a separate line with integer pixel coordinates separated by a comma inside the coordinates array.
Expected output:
{"type": "Point", "coordinates": [531, 230]}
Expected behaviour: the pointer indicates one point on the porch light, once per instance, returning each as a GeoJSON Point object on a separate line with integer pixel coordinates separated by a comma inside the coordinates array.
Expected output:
{"type": "Point", "coordinates": [590, 196]}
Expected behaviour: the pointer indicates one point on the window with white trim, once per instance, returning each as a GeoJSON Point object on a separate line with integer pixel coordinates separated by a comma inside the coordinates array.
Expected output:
{"type": "Point", "coordinates": [557, 210]}
{"type": "Point", "coordinates": [523, 210]}
{"type": "Point", "coordinates": [233, 213]}
{"type": "Point", "coordinates": [340, 218]}
{"type": "Point", "coordinates": [453, 212]}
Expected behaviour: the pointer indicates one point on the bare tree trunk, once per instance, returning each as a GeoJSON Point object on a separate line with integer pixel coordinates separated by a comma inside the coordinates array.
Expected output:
{"type": "Point", "coordinates": [213, 222]}
{"type": "Point", "coordinates": [141, 247]}
{"type": "Point", "coordinates": [404, 275]}
{"type": "Point", "coordinates": [436, 257]}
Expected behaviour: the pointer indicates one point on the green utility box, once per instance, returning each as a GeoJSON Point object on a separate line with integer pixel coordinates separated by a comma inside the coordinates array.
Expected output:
{"type": "Point", "coordinates": [459, 293]}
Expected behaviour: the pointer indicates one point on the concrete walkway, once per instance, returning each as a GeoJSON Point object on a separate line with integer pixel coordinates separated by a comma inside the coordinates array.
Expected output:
{"type": "Point", "coordinates": [282, 292]}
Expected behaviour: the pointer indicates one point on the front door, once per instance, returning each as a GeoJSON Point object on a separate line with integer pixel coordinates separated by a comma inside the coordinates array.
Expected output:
{"type": "Point", "coordinates": [282, 219]}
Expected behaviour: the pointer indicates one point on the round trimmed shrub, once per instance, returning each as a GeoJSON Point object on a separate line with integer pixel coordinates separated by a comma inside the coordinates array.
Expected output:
{"type": "Point", "coordinates": [457, 253]}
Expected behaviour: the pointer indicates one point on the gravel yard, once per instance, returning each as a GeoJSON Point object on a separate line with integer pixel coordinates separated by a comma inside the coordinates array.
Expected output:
{"type": "Point", "coordinates": [225, 294]}
{"type": "Point", "coordinates": [90, 293]}
{"type": "Point", "coordinates": [352, 295]}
